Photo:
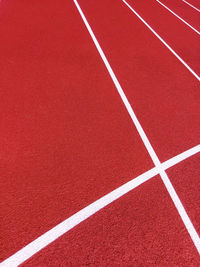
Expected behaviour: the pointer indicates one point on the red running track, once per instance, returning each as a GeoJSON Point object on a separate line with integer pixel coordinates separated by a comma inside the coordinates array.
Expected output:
{"type": "Point", "coordinates": [141, 229]}
{"type": "Point", "coordinates": [163, 93]}
{"type": "Point", "coordinates": [187, 13]}
{"type": "Point", "coordinates": [195, 3]}
{"type": "Point", "coordinates": [61, 123]}
{"type": "Point", "coordinates": [182, 39]}
{"type": "Point", "coordinates": [67, 139]}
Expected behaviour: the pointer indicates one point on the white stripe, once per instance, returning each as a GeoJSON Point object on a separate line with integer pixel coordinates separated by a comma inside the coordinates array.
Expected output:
{"type": "Point", "coordinates": [167, 164]}
{"type": "Point", "coordinates": [160, 38]}
{"type": "Point", "coordinates": [62, 228]}
{"type": "Point", "coordinates": [191, 5]}
{"type": "Point", "coordinates": [173, 161]}
{"type": "Point", "coordinates": [141, 132]}
{"type": "Point", "coordinates": [179, 17]}
{"type": "Point", "coordinates": [120, 90]}
{"type": "Point", "coordinates": [181, 210]}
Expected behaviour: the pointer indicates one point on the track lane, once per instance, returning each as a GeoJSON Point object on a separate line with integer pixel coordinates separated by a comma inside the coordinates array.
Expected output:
{"type": "Point", "coordinates": [58, 152]}
{"type": "Point", "coordinates": [194, 3]}
{"type": "Point", "coordinates": [184, 41]}
{"type": "Point", "coordinates": [184, 11]}
{"type": "Point", "coordinates": [64, 227]}
{"type": "Point", "coordinates": [161, 91]}
{"type": "Point", "coordinates": [140, 229]}
{"type": "Point", "coordinates": [98, 136]}
{"type": "Point", "coordinates": [185, 178]}
{"type": "Point", "coordinates": [92, 17]}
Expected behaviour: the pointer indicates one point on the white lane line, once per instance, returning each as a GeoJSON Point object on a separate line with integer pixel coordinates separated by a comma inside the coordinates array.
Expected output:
{"type": "Point", "coordinates": [62, 228]}
{"type": "Point", "coordinates": [185, 218]}
{"type": "Point", "coordinates": [160, 38]}
{"type": "Point", "coordinates": [119, 89]}
{"type": "Point", "coordinates": [173, 161]}
{"type": "Point", "coordinates": [181, 210]}
{"type": "Point", "coordinates": [191, 5]}
{"type": "Point", "coordinates": [178, 17]}
{"type": "Point", "coordinates": [41, 242]}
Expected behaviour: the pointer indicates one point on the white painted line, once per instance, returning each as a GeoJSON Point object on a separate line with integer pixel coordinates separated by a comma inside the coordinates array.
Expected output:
{"type": "Point", "coordinates": [181, 210]}
{"type": "Point", "coordinates": [191, 5]}
{"type": "Point", "coordinates": [119, 89]}
{"type": "Point", "coordinates": [177, 202]}
{"type": "Point", "coordinates": [178, 17]}
{"type": "Point", "coordinates": [193, 234]}
{"type": "Point", "coordinates": [160, 38]}
{"type": "Point", "coordinates": [62, 228]}
{"type": "Point", "coordinates": [173, 161]}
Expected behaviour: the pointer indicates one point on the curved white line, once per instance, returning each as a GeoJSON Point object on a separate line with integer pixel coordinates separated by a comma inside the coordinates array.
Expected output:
{"type": "Point", "coordinates": [62, 228]}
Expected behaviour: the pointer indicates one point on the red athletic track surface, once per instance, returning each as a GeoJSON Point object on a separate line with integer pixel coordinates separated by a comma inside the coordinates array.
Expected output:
{"type": "Point", "coordinates": [195, 3]}
{"type": "Point", "coordinates": [185, 11]}
{"type": "Point", "coordinates": [186, 43]}
{"type": "Point", "coordinates": [66, 138]}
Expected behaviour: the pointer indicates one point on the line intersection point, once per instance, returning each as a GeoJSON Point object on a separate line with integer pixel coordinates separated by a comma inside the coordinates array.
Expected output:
{"type": "Point", "coordinates": [62, 228]}
{"type": "Point", "coordinates": [166, 181]}
{"type": "Point", "coordinates": [159, 169]}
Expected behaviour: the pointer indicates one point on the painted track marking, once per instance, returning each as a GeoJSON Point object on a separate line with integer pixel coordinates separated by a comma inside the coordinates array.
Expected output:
{"type": "Point", "coordinates": [82, 215]}
{"type": "Point", "coordinates": [41, 242]}
{"type": "Point", "coordinates": [178, 17]}
{"type": "Point", "coordinates": [160, 38]}
{"type": "Point", "coordinates": [180, 208]}
{"type": "Point", "coordinates": [191, 5]}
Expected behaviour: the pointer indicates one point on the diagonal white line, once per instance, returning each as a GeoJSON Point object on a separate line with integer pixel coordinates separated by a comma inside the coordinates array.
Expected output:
{"type": "Point", "coordinates": [185, 218]}
{"type": "Point", "coordinates": [41, 242]}
{"type": "Point", "coordinates": [173, 161]}
{"type": "Point", "coordinates": [181, 210]}
{"type": "Point", "coordinates": [191, 5]}
{"type": "Point", "coordinates": [120, 90]}
{"type": "Point", "coordinates": [161, 39]}
{"type": "Point", "coordinates": [178, 17]}
{"type": "Point", "coordinates": [62, 228]}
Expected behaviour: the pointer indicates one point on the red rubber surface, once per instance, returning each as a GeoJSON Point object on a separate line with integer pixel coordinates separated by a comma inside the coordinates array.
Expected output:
{"type": "Point", "coordinates": [140, 229]}
{"type": "Point", "coordinates": [195, 3]}
{"type": "Point", "coordinates": [184, 41]}
{"type": "Point", "coordinates": [63, 125]}
{"type": "Point", "coordinates": [186, 180]}
{"type": "Point", "coordinates": [66, 138]}
{"type": "Point", "coordinates": [183, 10]}
{"type": "Point", "coordinates": [163, 93]}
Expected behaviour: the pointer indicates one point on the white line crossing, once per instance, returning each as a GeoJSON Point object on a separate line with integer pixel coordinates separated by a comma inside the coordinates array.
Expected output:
{"type": "Point", "coordinates": [62, 228]}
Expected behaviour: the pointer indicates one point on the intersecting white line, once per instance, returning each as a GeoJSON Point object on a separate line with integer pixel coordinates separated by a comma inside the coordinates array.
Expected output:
{"type": "Point", "coordinates": [74, 220]}
{"type": "Point", "coordinates": [177, 202]}
{"type": "Point", "coordinates": [178, 17]}
{"type": "Point", "coordinates": [62, 228]}
{"type": "Point", "coordinates": [173, 161]}
{"type": "Point", "coordinates": [161, 39]}
{"type": "Point", "coordinates": [191, 5]}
